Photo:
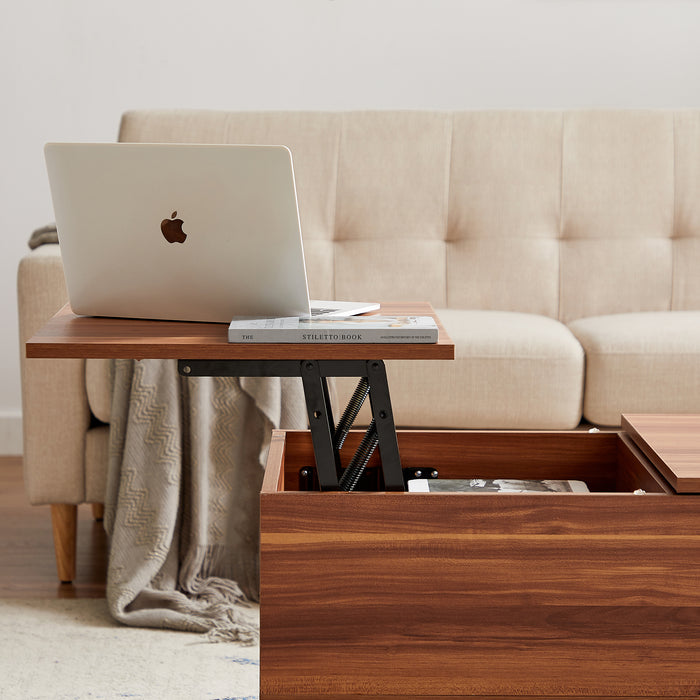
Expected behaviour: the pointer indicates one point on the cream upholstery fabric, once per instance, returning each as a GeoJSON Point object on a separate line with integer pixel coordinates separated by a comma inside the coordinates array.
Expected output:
{"type": "Point", "coordinates": [96, 455]}
{"type": "Point", "coordinates": [55, 408]}
{"type": "Point", "coordinates": [686, 235]}
{"type": "Point", "coordinates": [512, 371]}
{"type": "Point", "coordinates": [563, 214]}
{"type": "Point", "coordinates": [617, 213]}
{"type": "Point", "coordinates": [504, 199]}
{"type": "Point", "coordinates": [99, 383]}
{"type": "Point", "coordinates": [556, 217]}
{"type": "Point", "coordinates": [567, 214]}
{"type": "Point", "coordinates": [640, 363]}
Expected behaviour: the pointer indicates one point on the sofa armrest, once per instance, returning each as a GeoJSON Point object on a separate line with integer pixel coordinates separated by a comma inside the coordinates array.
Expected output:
{"type": "Point", "coordinates": [55, 412]}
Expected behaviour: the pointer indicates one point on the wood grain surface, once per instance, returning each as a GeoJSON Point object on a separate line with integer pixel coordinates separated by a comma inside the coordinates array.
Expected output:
{"type": "Point", "coordinates": [393, 696]}
{"type": "Point", "coordinates": [68, 335]}
{"type": "Point", "coordinates": [493, 595]}
{"type": "Point", "coordinates": [672, 443]}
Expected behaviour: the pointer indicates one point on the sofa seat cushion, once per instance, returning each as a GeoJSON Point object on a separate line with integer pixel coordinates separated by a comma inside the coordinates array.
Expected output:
{"type": "Point", "coordinates": [640, 363]}
{"type": "Point", "coordinates": [512, 371]}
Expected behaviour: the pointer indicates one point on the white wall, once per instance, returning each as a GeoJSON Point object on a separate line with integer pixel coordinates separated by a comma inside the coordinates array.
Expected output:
{"type": "Point", "coordinates": [69, 68]}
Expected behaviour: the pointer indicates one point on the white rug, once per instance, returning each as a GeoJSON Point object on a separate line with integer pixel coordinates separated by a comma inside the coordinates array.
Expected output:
{"type": "Point", "coordinates": [74, 650]}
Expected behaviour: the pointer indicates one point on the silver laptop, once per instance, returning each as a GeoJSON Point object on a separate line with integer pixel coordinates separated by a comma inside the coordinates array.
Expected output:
{"type": "Point", "coordinates": [181, 232]}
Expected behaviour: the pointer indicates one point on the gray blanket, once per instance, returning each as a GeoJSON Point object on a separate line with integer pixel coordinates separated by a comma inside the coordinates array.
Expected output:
{"type": "Point", "coordinates": [182, 505]}
{"type": "Point", "coordinates": [43, 235]}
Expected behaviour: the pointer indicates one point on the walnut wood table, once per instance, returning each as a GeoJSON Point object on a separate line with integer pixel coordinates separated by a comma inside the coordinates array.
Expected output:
{"type": "Point", "coordinates": [396, 595]}
{"type": "Point", "coordinates": [202, 349]}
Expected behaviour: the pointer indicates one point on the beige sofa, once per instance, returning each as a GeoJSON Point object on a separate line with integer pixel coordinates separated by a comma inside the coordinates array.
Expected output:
{"type": "Point", "coordinates": [561, 249]}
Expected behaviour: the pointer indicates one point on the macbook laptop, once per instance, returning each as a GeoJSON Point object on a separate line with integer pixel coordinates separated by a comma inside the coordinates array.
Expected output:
{"type": "Point", "coordinates": [182, 232]}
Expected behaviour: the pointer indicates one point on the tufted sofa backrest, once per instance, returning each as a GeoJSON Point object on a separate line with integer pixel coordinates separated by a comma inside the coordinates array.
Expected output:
{"type": "Point", "coordinates": [566, 214]}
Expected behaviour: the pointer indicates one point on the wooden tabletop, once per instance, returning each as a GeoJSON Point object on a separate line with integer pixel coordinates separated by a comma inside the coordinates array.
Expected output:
{"type": "Point", "coordinates": [69, 336]}
{"type": "Point", "coordinates": [672, 443]}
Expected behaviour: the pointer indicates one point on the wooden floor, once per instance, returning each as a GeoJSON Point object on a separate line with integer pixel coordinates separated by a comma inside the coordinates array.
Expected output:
{"type": "Point", "coordinates": [27, 563]}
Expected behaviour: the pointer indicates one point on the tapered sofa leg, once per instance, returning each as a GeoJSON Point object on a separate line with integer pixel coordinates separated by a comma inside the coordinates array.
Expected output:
{"type": "Point", "coordinates": [64, 518]}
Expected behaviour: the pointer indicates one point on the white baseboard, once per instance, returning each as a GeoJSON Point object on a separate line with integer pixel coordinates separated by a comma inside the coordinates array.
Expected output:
{"type": "Point", "coordinates": [10, 433]}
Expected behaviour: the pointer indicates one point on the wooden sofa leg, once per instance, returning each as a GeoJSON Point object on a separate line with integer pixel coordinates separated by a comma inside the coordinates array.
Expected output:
{"type": "Point", "coordinates": [98, 511]}
{"type": "Point", "coordinates": [64, 518]}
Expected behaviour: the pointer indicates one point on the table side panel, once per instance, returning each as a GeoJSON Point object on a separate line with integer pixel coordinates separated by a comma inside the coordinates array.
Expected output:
{"type": "Point", "coordinates": [410, 593]}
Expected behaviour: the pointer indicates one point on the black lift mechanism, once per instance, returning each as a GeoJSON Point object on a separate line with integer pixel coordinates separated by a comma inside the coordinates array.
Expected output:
{"type": "Point", "coordinates": [328, 438]}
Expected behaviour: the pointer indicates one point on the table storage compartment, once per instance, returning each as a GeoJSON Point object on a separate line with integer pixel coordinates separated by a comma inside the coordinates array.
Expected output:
{"type": "Point", "coordinates": [481, 595]}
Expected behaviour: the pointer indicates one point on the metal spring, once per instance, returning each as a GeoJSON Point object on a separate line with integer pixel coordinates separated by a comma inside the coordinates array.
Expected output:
{"type": "Point", "coordinates": [354, 470]}
{"type": "Point", "coordinates": [350, 413]}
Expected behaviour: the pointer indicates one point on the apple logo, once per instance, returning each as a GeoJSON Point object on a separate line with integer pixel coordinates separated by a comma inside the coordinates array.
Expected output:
{"type": "Point", "coordinates": [172, 229]}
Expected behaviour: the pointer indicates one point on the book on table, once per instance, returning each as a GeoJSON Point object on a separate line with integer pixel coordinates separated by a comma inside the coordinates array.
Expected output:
{"type": "Point", "coordinates": [496, 486]}
{"type": "Point", "coordinates": [354, 329]}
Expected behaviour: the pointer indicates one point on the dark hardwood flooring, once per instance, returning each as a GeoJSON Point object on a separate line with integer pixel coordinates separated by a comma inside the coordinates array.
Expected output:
{"type": "Point", "coordinates": [27, 562]}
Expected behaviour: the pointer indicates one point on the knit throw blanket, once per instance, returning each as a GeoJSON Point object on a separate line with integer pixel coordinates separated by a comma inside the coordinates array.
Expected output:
{"type": "Point", "coordinates": [182, 503]}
